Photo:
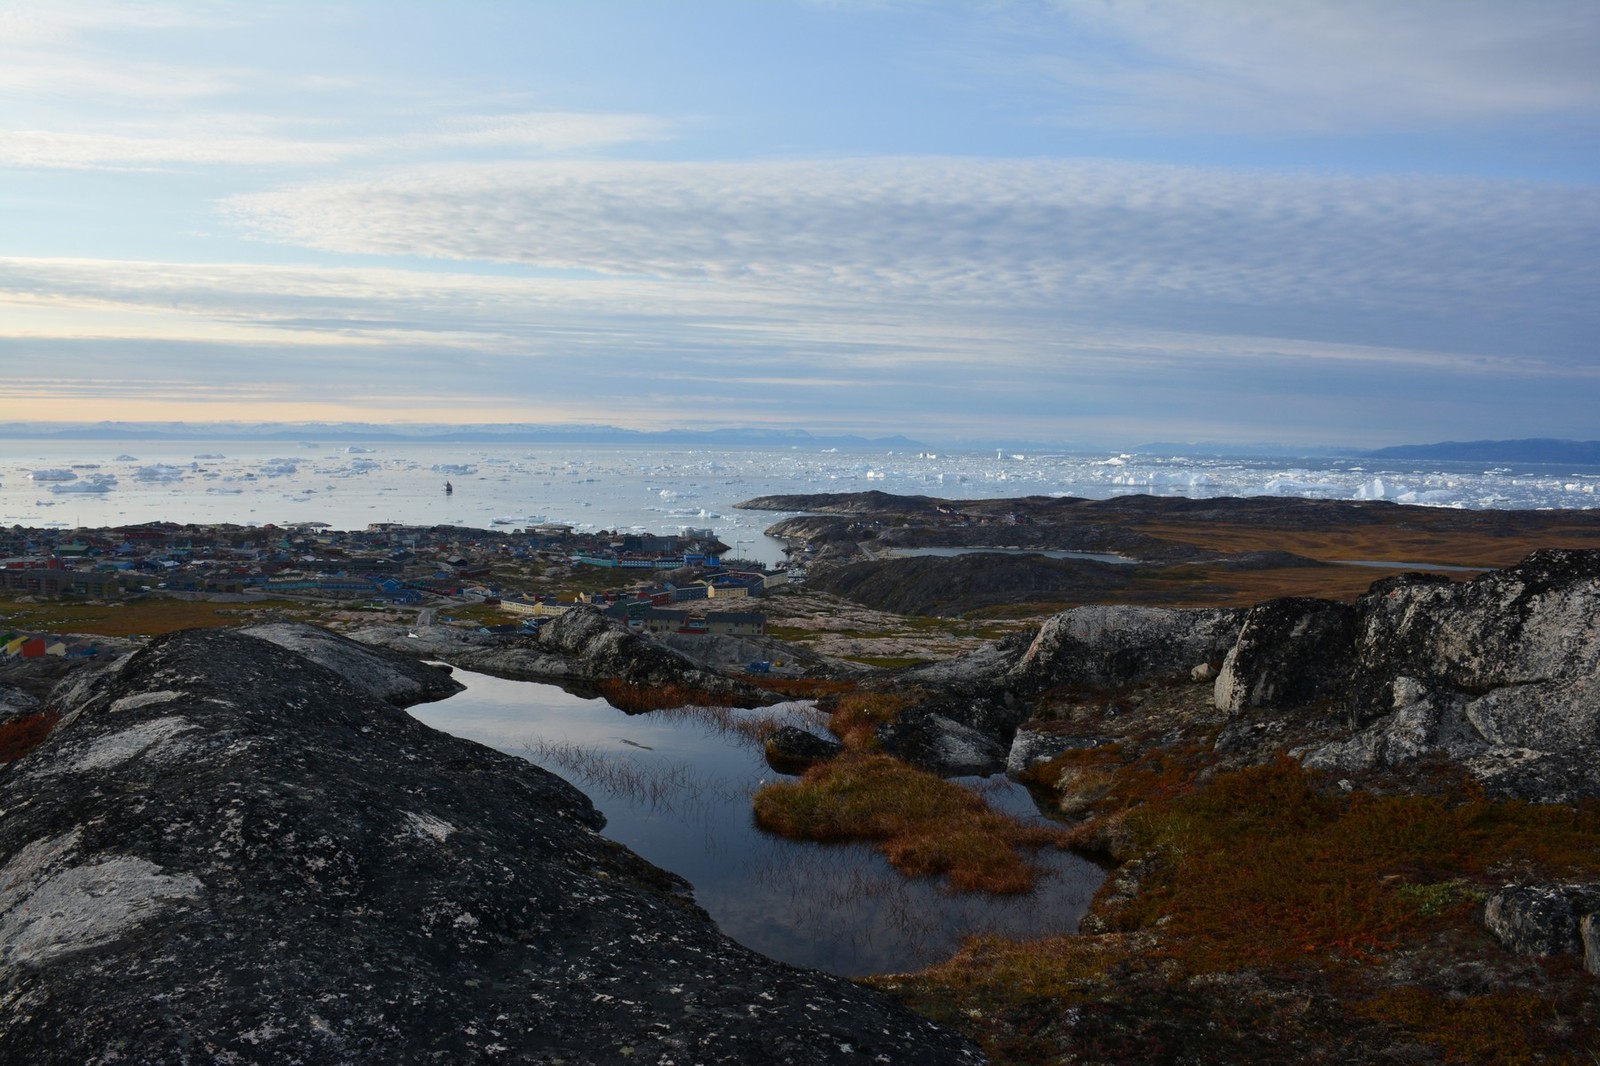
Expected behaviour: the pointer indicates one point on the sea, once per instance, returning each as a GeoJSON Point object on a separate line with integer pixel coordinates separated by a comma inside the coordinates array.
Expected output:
{"type": "Point", "coordinates": [632, 488]}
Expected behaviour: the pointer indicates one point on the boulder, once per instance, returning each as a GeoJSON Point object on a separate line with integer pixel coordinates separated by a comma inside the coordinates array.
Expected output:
{"type": "Point", "coordinates": [1030, 747]}
{"type": "Point", "coordinates": [1523, 643]}
{"type": "Point", "coordinates": [792, 750]}
{"type": "Point", "coordinates": [230, 852]}
{"type": "Point", "coordinates": [984, 669]}
{"type": "Point", "coordinates": [1289, 652]}
{"type": "Point", "coordinates": [1103, 646]}
{"type": "Point", "coordinates": [1423, 722]}
{"type": "Point", "coordinates": [924, 737]}
{"type": "Point", "coordinates": [1542, 919]}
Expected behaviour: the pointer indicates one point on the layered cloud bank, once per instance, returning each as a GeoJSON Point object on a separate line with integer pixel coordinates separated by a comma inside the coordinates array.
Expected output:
{"type": "Point", "coordinates": [1320, 222]}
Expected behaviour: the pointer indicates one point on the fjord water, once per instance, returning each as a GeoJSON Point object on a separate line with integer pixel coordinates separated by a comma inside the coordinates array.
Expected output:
{"type": "Point", "coordinates": [677, 791]}
{"type": "Point", "coordinates": [655, 489]}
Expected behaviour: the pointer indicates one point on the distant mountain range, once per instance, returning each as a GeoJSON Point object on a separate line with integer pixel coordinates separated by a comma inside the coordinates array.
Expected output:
{"type": "Point", "coordinates": [1535, 450]}
{"type": "Point", "coordinates": [1571, 452]}
{"type": "Point", "coordinates": [420, 433]}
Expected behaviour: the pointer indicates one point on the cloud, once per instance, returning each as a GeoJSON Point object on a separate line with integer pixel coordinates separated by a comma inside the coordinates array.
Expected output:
{"type": "Point", "coordinates": [118, 337]}
{"type": "Point", "coordinates": [87, 88]}
{"type": "Point", "coordinates": [229, 140]}
{"type": "Point", "coordinates": [1317, 66]}
{"type": "Point", "coordinates": [1103, 242]}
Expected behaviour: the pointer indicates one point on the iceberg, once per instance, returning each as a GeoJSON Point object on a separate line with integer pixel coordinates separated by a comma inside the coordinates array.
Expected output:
{"type": "Point", "coordinates": [159, 472]}
{"type": "Point", "coordinates": [93, 483]}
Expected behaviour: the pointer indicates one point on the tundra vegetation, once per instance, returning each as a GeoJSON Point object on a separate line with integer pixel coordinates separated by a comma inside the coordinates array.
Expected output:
{"type": "Point", "coordinates": [1254, 910]}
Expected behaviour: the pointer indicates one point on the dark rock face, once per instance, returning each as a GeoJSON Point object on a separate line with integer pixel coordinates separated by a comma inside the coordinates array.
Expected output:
{"type": "Point", "coordinates": [15, 703]}
{"type": "Point", "coordinates": [1544, 919]}
{"type": "Point", "coordinates": [1501, 674]}
{"type": "Point", "coordinates": [945, 745]}
{"type": "Point", "coordinates": [988, 694]}
{"type": "Point", "coordinates": [1290, 652]}
{"type": "Point", "coordinates": [1116, 646]}
{"type": "Point", "coordinates": [229, 852]}
{"type": "Point", "coordinates": [391, 677]}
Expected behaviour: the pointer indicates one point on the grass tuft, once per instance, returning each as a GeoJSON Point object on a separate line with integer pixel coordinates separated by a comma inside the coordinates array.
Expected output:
{"type": "Point", "coordinates": [857, 716]}
{"type": "Point", "coordinates": [924, 825]}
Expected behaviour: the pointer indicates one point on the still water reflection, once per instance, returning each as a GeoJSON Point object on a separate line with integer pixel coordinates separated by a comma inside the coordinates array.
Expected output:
{"type": "Point", "coordinates": [675, 787]}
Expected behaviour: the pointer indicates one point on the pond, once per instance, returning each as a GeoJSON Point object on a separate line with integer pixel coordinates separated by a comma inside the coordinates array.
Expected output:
{"type": "Point", "coordinates": [675, 787]}
{"type": "Point", "coordinates": [1051, 553]}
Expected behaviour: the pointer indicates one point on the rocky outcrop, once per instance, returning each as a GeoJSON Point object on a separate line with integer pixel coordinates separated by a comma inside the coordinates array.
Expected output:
{"type": "Point", "coordinates": [1546, 920]}
{"type": "Point", "coordinates": [1501, 674]}
{"type": "Point", "coordinates": [230, 852]}
{"type": "Point", "coordinates": [937, 742]}
{"type": "Point", "coordinates": [581, 646]}
{"type": "Point", "coordinates": [1289, 652]}
{"type": "Point", "coordinates": [989, 693]}
{"type": "Point", "coordinates": [391, 677]}
{"type": "Point", "coordinates": [1104, 646]}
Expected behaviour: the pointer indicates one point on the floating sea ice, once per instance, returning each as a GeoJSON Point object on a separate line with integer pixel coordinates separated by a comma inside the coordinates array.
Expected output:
{"type": "Point", "coordinates": [280, 467]}
{"type": "Point", "coordinates": [159, 472]}
{"type": "Point", "coordinates": [53, 475]}
{"type": "Point", "coordinates": [94, 483]}
{"type": "Point", "coordinates": [127, 459]}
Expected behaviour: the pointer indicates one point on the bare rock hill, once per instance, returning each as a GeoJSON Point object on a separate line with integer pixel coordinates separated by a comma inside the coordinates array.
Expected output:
{"type": "Point", "coordinates": [229, 852]}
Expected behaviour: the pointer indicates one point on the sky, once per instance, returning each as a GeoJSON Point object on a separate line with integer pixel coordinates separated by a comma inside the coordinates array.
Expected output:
{"type": "Point", "coordinates": [1351, 222]}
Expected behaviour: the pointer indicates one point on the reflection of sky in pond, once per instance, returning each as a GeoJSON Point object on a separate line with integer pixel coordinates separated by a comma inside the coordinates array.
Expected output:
{"type": "Point", "coordinates": [676, 789]}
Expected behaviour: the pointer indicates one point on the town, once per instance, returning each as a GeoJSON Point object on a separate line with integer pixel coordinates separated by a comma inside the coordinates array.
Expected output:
{"type": "Point", "coordinates": [654, 583]}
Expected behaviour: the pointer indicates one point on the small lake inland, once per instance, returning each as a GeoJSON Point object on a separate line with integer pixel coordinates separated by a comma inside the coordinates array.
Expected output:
{"type": "Point", "coordinates": [675, 787]}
